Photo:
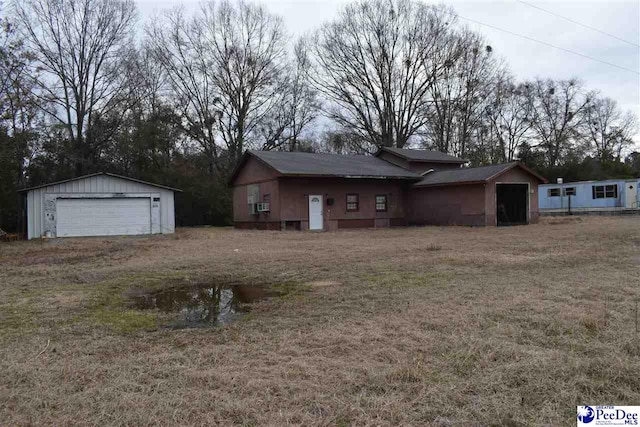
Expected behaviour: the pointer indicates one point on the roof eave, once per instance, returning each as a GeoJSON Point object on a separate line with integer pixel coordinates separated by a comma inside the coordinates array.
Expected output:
{"type": "Point", "coordinates": [236, 169]}
{"type": "Point", "coordinates": [412, 159]}
{"type": "Point", "coordinates": [312, 175]}
{"type": "Point", "coordinates": [387, 150]}
{"type": "Point", "coordinates": [143, 182]}
{"type": "Point", "coordinates": [521, 166]}
{"type": "Point", "coordinates": [36, 187]}
{"type": "Point", "coordinates": [507, 167]}
{"type": "Point", "coordinates": [458, 161]}
{"type": "Point", "coordinates": [240, 165]}
{"type": "Point", "coordinates": [534, 173]}
{"type": "Point", "coordinates": [448, 184]}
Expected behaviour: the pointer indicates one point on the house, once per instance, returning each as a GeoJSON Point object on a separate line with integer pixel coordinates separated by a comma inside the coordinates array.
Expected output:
{"type": "Point", "coordinates": [313, 191]}
{"type": "Point", "coordinates": [278, 190]}
{"type": "Point", "coordinates": [609, 196]}
{"type": "Point", "coordinates": [101, 204]}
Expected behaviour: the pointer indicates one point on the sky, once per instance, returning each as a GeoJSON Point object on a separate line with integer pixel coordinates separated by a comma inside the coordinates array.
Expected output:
{"type": "Point", "coordinates": [527, 59]}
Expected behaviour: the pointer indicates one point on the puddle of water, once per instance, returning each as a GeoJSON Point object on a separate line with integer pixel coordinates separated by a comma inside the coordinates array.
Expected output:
{"type": "Point", "coordinates": [202, 305]}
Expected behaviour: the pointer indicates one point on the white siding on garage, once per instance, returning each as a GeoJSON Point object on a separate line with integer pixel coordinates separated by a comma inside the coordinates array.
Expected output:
{"type": "Point", "coordinates": [101, 186]}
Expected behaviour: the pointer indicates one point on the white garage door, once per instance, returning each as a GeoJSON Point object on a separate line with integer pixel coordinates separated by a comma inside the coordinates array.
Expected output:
{"type": "Point", "coordinates": [103, 217]}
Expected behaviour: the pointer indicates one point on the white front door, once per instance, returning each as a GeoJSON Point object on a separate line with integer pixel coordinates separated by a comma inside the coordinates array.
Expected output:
{"type": "Point", "coordinates": [315, 212]}
{"type": "Point", "coordinates": [632, 194]}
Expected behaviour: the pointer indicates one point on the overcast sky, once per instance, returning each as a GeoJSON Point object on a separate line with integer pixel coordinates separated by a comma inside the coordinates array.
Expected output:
{"type": "Point", "coordinates": [527, 59]}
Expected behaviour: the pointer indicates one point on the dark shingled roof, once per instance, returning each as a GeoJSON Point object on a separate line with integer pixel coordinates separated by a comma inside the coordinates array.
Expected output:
{"type": "Point", "coordinates": [331, 165]}
{"type": "Point", "coordinates": [423, 155]}
{"type": "Point", "coordinates": [470, 175]}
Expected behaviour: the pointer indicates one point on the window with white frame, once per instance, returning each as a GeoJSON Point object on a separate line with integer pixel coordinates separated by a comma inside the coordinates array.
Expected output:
{"type": "Point", "coordinates": [605, 191]}
{"type": "Point", "coordinates": [569, 191]}
{"type": "Point", "coordinates": [253, 198]}
{"type": "Point", "coordinates": [381, 203]}
{"type": "Point", "coordinates": [253, 193]}
{"type": "Point", "coordinates": [353, 204]}
{"type": "Point", "coordinates": [553, 192]}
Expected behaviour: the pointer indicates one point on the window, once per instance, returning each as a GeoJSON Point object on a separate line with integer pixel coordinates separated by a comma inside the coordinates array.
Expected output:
{"type": "Point", "coordinates": [253, 193]}
{"type": "Point", "coordinates": [381, 203]}
{"type": "Point", "coordinates": [605, 191]}
{"type": "Point", "coordinates": [253, 198]}
{"type": "Point", "coordinates": [557, 192]}
{"type": "Point", "coordinates": [353, 203]}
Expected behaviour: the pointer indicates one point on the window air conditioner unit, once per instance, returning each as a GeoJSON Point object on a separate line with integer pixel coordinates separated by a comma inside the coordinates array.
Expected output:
{"type": "Point", "coordinates": [263, 207]}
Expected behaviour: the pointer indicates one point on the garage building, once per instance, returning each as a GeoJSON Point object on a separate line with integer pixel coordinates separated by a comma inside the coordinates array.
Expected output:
{"type": "Point", "coordinates": [504, 194]}
{"type": "Point", "coordinates": [101, 204]}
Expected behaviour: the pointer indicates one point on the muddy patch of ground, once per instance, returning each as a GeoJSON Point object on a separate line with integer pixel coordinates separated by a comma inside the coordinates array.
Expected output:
{"type": "Point", "coordinates": [201, 305]}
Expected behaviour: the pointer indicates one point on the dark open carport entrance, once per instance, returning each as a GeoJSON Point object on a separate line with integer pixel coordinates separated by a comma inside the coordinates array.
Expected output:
{"type": "Point", "coordinates": [512, 204]}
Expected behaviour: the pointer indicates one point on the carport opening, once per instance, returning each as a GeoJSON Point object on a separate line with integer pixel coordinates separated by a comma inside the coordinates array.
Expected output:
{"type": "Point", "coordinates": [512, 204]}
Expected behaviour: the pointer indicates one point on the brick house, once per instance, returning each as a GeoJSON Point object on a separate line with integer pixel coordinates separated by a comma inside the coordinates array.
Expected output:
{"type": "Point", "coordinates": [316, 191]}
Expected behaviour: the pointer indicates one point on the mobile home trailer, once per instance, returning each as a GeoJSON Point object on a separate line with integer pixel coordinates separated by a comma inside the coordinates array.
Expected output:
{"type": "Point", "coordinates": [609, 196]}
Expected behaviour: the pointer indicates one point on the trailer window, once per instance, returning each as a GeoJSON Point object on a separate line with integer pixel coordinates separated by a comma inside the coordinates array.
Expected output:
{"type": "Point", "coordinates": [569, 191]}
{"type": "Point", "coordinates": [605, 191]}
{"type": "Point", "coordinates": [554, 192]}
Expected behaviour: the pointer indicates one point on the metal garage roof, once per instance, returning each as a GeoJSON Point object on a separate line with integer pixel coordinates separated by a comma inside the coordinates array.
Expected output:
{"type": "Point", "coordinates": [97, 174]}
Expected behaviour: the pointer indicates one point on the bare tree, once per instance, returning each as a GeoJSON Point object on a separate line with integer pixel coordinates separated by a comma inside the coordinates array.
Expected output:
{"type": "Point", "coordinates": [20, 122]}
{"type": "Point", "coordinates": [510, 116]}
{"type": "Point", "coordinates": [148, 80]}
{"type": "Point", "coordinates": [177, 44]}
{"type": "Point", "coordinates": [461, 94]}
{"type": "Point", "coordinates": [376, 63]}
{"type": "Point", "coordinates": [81, 46]}
{"type": "Point", "coordinates": [18, 107]}
{"type": "Point", "coordinates": [10, 53]}
{"type": "Point", "coordinates": [558, 114]}
{"type": "Point", "coordinates": [150, 135]}
{"type": "Point", "coordinates": [298, 106]}
{"type": "Point", "coordinates": [226, 67]}
{"type": "Point", "coordinates": [607, 130]}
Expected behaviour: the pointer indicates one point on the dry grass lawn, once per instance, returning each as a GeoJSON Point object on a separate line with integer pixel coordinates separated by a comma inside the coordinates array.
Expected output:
{"type": "Point", "coordinates": [416, 326]}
